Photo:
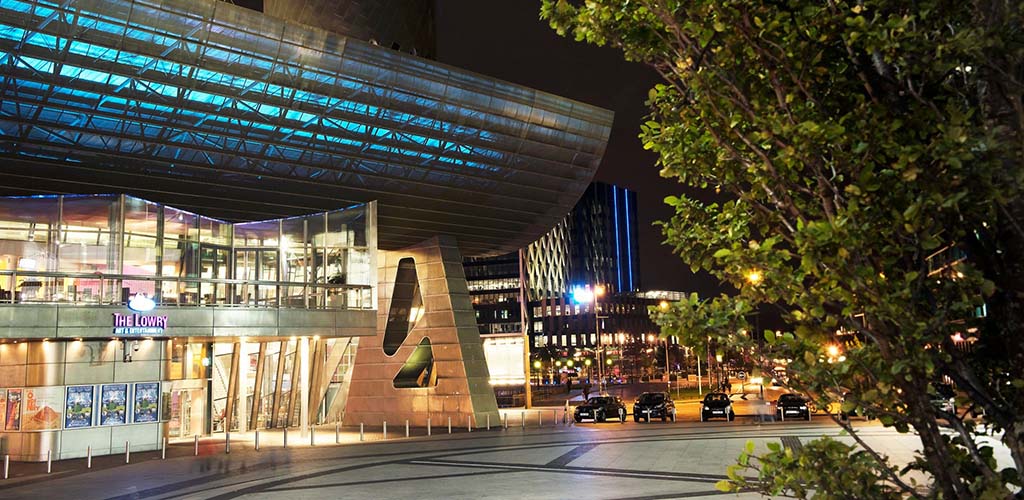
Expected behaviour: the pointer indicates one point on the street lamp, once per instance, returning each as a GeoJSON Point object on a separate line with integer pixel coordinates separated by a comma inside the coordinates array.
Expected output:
{"type": "Point", "coordinates": [754, 276]}
{"type": "Point", "coordinates": [537, 366]}
{"type": "Point", "coordinates": [586, 295]}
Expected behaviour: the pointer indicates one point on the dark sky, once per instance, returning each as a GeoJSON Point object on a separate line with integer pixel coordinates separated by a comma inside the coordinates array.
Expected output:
{"type": "Point", "coordinates": [506, 39]}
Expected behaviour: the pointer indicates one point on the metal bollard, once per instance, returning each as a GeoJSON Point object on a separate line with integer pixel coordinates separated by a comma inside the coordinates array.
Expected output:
{"type": "Point", "coordinates": [312, 435]}
{"type": "Point", "coordinates": [554, 417]}
{"type": "Point", "coordinates": [488, 421]}
{"type": "Point", "coordinates": [127, 452]}
{"type": "Point", "coordinates": [227, 442]}
{"type": "Point", "coordinates": [197, 444]}
{"type": "Point", "coordinates": [506, 421]}
{"type": "Point", "coordinates": [163, 450]}
{"type": "Point", "coordinates": [540, 419]}
{"type": "Point", "coordinates": [88, 457]}
{"type": "Point", "coordinates": [522, 419]}
{"type": "Point", "coordinates": [257, 440]}
{"type": "Point", "coordinates": [406, 427]}
{"type": "Point", "coordinates": [385, 430]}
{"type": "Point", "coordinates": [7, 466]}
{"type": "Point", "coordinates": [286, 437]}
{"type": "Point", "coordinates": [337, 433]}
{"type": "Point", "coordinates": [449, 425]}
{"type": "Point", "coordinates": [469, 423]}
{"type": "Point", "coordinates": [49, 461]}
{"type": "Point", "coordinates": [428, 426]}
{"type": "Point", "coordinates": [361, 435]}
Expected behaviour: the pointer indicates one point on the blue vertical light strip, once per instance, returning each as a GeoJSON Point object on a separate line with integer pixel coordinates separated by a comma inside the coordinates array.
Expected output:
{"type": "Point", "coordinates": [618, 254]}
{"type": "Point", "coordinates": [629, 240]}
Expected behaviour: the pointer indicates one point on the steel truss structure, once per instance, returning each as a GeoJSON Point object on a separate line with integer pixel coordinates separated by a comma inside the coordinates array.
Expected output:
{"type": "Point", "coordinates": [223, 110]}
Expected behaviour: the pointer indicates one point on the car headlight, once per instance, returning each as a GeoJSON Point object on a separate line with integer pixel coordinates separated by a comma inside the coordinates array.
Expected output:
{"type": "Point", "coordinates": [802, 407]}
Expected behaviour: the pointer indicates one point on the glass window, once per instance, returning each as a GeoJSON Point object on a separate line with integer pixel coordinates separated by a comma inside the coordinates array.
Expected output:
{"type": "Point", "coordinates": [141, 238]}
{"type": "Point", "coordinates": [87, 223]}
{"type": "Point", "coordinates": [28, 242]}
{"type": "Point", "coordinates": [258, 234]}
{"type": "Point", "coordinates": [214, 231]}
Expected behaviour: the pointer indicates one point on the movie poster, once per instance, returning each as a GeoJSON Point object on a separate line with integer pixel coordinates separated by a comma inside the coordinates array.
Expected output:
{"type": "Point", "coordinates": [147, 400]}
{"type": "Point", "coordinates": [44, 409]}
{"type": "Point", "coordinates": [78, 407]}
{"type": "Point", "coordinates": [13, 422]}
{"type": "Point", "coordinates": [113, 404]}
{"type": "Point", "coordinates": [3, 408]}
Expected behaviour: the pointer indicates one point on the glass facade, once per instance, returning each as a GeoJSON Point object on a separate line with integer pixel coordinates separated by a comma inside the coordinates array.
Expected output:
{"type": "Point", "coordinates": [103, 249]}
{"type": "Point", "coordinates": [189, 96]}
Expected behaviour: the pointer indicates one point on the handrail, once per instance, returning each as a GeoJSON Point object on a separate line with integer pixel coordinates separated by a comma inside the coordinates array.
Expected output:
{"type": "Point", "coordinates": [313, 296]}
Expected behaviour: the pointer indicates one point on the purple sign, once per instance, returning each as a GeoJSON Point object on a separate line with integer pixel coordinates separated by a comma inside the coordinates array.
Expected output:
{"type": "Point", "coordinates": [139, 324]}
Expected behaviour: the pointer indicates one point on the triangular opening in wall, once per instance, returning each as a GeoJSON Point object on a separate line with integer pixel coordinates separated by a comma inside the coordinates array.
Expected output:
{"type": "Point", "coordinates": [418, 370]}
{"type": "Point", "coordinates": [406, 307]}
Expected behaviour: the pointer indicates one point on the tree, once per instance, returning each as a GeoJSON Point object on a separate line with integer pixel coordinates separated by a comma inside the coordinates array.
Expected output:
{"type": "Point", "coordinates": [857, 165]}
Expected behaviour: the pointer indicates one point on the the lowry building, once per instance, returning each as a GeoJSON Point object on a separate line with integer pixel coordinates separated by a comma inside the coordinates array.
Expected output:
{"type": "Point", "coordinates": [216, 219]}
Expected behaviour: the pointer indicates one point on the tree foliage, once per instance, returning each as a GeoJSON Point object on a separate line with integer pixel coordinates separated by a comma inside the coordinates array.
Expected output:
{"type": "Point", "coordinates": [864, 157]}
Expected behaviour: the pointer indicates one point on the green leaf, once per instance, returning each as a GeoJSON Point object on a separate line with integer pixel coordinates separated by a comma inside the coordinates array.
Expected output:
{"type": "Point", "coordinates": [725, 485]}
{"type": "Point", "coordinates": [722, 252]}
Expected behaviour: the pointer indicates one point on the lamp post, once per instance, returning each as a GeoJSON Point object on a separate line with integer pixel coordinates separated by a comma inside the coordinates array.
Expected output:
{"type": "Point", "coordinates": [586, 295]}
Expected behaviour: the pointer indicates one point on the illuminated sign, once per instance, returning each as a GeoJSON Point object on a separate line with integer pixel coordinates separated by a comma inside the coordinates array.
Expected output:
{"type": "Point", "coordinates": [139, 324]}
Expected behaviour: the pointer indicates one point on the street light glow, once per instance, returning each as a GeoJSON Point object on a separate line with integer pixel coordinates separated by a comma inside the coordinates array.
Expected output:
{"type": "Point", "coordinates": [832, 350]}
{"type": "Point", "coordinates": [754, 277]}
{"type": "Point", "coordinates": [582, 295]}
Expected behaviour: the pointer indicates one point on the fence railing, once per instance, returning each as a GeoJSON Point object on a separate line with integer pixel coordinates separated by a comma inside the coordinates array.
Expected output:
{"type": "Point", "coordinates": [34, 287]}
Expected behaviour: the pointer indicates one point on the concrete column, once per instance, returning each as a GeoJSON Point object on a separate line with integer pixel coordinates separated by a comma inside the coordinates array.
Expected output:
{"type": "Point", "coordinates": [304, 384]}
{"type": "Point", "coordinates": [243, 383]}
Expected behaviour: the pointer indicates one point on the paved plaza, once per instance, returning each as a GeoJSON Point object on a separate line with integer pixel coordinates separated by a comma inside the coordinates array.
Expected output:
{"type": "Point", "coordinates": [608, 460]}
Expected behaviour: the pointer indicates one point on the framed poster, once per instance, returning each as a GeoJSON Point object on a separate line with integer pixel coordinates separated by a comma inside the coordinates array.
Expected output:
{"type": "Point", "coordinates": [113, 404]}
{"type": "Point", "coordinates": [3, 408]}
{"type": "Point", "coordinates": [78, 407]}
{"type": "Point", "coordinates": [13, 422]}
{"type": "Point", "coordinates": [43, 409]}
{"type": "Point", "coordinates": [147, 401]}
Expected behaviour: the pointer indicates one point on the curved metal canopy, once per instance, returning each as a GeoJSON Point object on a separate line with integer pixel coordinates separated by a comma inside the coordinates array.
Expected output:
{"type": "Point", "coordinates": [222, 110]}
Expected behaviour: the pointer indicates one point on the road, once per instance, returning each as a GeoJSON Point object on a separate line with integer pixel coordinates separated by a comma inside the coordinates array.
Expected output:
{"type": "Point", "coordinates": [609, 460]}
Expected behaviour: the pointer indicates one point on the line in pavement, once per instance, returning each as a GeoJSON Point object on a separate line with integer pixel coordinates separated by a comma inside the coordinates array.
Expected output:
{"type": "Point", "coordinates": [571, 455]}
{"type": "Point", "coordinates": [388, 480]}
{"type": "Point", "coordinates": [667, 476]}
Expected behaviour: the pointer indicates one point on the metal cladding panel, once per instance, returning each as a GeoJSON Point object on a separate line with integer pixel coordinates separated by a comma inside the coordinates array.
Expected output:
{"type": "Point", "coordinates": [242, 116]}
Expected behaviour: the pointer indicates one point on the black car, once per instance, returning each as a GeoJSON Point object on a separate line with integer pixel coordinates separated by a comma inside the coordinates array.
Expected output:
{"type": "Point", "coordinates": [716, 405]}
{"type": "Point", "coordinates": [792, 406]}
{"type": "Point", "coordinates": [654, 404]}
{"type": "Point", "coordinates": [600, 408]}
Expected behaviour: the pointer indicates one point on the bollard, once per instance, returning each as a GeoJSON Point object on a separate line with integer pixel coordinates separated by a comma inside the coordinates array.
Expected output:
{"type": "Point", "coordinates": [563, 417]}
{"type": "Point", "coordinates": [286, 437]}
{"type": "Point", "coordinates": [449, 425]}
{"type": "Point", "coordinates": [312, 435]}
{"type": "Point", "coordinates": [506, 421]}
{"type": "Point", "coordinates": [163, 449]}
{"type": "Point", "coordinates": [197, 444]}
{"type": "Point", "coordinates": [88, 457]}
{"type": "Point", "coordinates": [554, 418]}
{"type": "Point", "coordinates": [227, 442]}
{"type": "Point", "coordinates": [540, 419]}
{"type": "Point", "coordinates": [337, 433]}
{"type": "Point", "coordinates": [488, 421]}
{"type": "Point", "coordinates": [428, 426]}
{"type": "Point", "coordinates": [127, 452]}
{"type": "Point", "coordinates": [385, 430]}
{"type": "Point", "coordinates": [469, 423]}
{"type": "Point", "coordinates": [7, 466]}
{"type": "Point", "coordinates": [49, 462]}
{"type": "Point", "coordinates": [406, 427]}
{"type": "Point", "coordinates": [522, 419]}
{"type": "Point", "coordinates": [361, 435]}
{"type": "Point", "coordinates": [257, 440]}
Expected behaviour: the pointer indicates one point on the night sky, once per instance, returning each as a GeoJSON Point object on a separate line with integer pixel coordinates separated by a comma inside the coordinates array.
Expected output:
{"type": "Point", "coordinates": [506, 39]}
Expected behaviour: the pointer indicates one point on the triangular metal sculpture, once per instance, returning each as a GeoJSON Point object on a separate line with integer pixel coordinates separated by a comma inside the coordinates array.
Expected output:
{"type": "Point", "coordinates": [427, 359]}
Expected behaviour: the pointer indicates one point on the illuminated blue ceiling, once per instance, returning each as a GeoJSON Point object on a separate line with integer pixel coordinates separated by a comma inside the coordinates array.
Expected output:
{"type": "Point", "coordinates": [223, 110]}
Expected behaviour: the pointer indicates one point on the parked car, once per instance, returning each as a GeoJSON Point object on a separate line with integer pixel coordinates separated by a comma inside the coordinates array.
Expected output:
{"type": "Point", "coordinates": [944, 398]}
{"type": "Point", "coordinates": [845, 415]}
{"type": "Point", "coordinates": [716, 405]}
{"type": "Point", "coordinates": [792, 406]}
{"type": "Point", "coordinates": [654, 404]}
{"type": "Point", "coordinates": [600, 408]}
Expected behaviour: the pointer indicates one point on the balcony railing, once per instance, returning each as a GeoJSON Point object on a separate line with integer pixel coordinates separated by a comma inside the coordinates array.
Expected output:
{"type": "Point", "coordinates": [38, 287]}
